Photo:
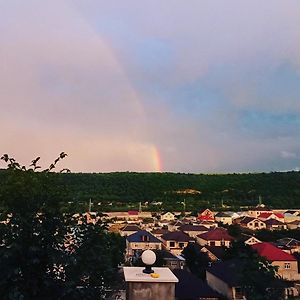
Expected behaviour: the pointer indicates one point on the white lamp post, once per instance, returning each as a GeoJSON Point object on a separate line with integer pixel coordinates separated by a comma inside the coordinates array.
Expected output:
{"type": "Point", "coordinates": [148, 258]}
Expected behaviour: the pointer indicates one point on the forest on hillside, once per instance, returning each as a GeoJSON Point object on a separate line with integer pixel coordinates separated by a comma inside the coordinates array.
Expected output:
{"type": "Point", "coordinates": [165, 191]}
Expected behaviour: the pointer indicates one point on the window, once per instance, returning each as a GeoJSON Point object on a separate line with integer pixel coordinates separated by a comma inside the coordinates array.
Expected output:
{"type": "Point", "coordinates": [211, 243]}
{"type": "Point", "coordinates": [181, 245]}
{"type": "Point", "coordinates": [145, 238]}
{"type": "Point", "coordinates": [172, 244]}
{"type": "Point", "coordinates": [256, 224]}
{"type": "Point", "coordinates": [287, 265]}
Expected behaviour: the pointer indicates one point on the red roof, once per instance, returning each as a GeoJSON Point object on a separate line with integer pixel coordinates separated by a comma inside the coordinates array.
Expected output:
{"type": "Point", "coordinates": [266, 215]}
{"type": "Point", "coordinates": [133, 212]}
{"type": "Point", "coordinates": [217, 234]}
{"type": "Point", "coordinates": [272, 253]}
{"type": "Point", "coordinates": [206, 218]}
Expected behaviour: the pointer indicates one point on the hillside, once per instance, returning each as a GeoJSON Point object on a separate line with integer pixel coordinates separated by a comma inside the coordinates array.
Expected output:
{"type": "Point", "coordinates": [125, 190]}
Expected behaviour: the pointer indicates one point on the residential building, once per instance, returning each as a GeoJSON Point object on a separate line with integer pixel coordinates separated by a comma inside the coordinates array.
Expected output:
{"type": "Point", "coordinates": [252, 223]}
{"type": "Point", "coordinates": [206, 215]}
{"type": "Point", "coordinates": [193, 230]}
{"type": "Point", "coordinates": [175, 241]}
{"type": "Point", "coordinates": [140, 241]}
{"type": "Point", "coordinates": [129, 229]}
{"type": "Point", "coordinates": [223, 278]}
{"type": "Point", "coordinates": [168, 216]}
{"type": "Point", "coordinates": [286, 263]}
{"type": "Point", "coordinates": [192, 288]}
{"type": "Point", "coordinates": [288, 245]}
{"type": "Point", "coordinates": [223, 217]}
{"type": "Point", "coordinates": [249, 239]}
{"type": "Point", "coordinates": [274, 224]}
{"type": "Point", "coordinates": [256, 211]}
{"type": "Point", "coordinates": [215, 237]}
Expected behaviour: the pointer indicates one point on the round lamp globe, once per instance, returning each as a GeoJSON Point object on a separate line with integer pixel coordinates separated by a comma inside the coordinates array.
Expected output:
{"type": "Point", "coordinates": [148, 257]}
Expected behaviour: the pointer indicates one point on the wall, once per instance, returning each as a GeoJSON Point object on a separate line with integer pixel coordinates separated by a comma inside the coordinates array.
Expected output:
{"type": "Point", "coordinates": [150, 291]}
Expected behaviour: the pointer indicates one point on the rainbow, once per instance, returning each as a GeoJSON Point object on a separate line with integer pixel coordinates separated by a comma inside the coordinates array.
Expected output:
{"type": "Point", "coordinates": [153, 156]}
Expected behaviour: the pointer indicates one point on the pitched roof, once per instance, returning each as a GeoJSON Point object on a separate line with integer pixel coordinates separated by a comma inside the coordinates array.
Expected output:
{"type": "Point", "coordinates": [271, 222]}
{"type": "Point", "coordinates": [218, 252]}
{"type": "Point", "coordinates": [272, 253]}
{"type": "Point", "coordinates": [216, 234]}
{"type": "Point", "coordinates": [247, 220]}
{"type": "Point", "coordinates": [222, 214]}
{"type": "Point", "coordinates": [266, 215]}
{"type": "Point", "coordinates": [178, 236]}
{"type": "Point", "coordinates": [288, 242]}
{"type": "Point", "coordinates": [130, 228]}
{"type": "Point", "coordinates": [189, 227]}
{"type": "Point", "coordinates": [191, 287]}
{"type": "Point", "coordinates": [160, 231]}
{"type": "Point", "coordinates": [139, 237]}
{"type": "Point", "coordinates": [227, 271]}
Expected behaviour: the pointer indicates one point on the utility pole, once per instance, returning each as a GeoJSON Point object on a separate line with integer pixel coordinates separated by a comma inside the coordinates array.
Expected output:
{"type": "Point", "coordinates": [90, 205]}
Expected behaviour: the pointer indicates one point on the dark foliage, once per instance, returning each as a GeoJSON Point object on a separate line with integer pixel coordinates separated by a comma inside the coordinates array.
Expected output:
{"type": "Point", "coordinates": [277, 189]}
{"type": "Point", "coordinates": [45, 254]}
{"type": "Point", "coordinates": [257, 276]}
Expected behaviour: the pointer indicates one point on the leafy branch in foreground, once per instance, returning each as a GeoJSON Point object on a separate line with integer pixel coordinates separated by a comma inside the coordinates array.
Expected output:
{"type": "Point", "coordinates": [45, 254]}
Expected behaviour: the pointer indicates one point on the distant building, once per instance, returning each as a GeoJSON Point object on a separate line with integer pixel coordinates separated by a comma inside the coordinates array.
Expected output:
{"type": "Point", "coordinates": [223, 217]}
{"type": "Point", "coordinates": [168, 216]}
{"type": "Point", "coordinates": [223, 277]}
{"type": "Point", "coordinates": [206, 215]}
{"type": "Point", "coordinates": [193, 230]}
{"type": "Point", "coordinates": [129, 229]}
{"type": "Point", "coordinates": [287, 264]}
{"type": "Point", "coordinates": [140, 241]}
{"type": "Point", "coordinates": [259, 209]}
{"type": "Point", "coordinates": [215, 237]}
{"type": "Point", "coordinates": [175, 241]}
{"type": "Point", "coordinates": [192, 288]}
{"type": "Point", "coordinates": [252, 223]}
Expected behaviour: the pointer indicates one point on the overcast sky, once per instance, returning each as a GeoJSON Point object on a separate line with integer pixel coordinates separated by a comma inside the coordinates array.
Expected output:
{"type": "Point", "coordinates": [185, 86]}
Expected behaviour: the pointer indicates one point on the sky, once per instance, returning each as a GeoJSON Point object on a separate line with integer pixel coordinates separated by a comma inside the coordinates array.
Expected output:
{"type": "Point", "coordinates": [194, 86]}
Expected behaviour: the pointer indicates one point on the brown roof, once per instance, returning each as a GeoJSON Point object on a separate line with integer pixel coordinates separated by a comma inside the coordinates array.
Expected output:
{"type": "Point", "coordinates": [178, 236]}
{"type": "Point", "coordinates": [217, 234]}
{"type": "Point", "coordinates": [189, 227]}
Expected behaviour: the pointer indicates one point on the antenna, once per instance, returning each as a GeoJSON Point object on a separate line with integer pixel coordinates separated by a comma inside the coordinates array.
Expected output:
{"type": "Point", "coordinates": [90, 205]}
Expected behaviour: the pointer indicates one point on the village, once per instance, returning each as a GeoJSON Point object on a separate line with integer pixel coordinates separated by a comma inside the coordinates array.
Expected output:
{"type": "Point", "coordinates": [170, 233]}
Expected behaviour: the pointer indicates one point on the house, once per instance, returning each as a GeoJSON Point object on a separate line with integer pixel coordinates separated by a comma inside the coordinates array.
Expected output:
{"type": "Point", "coordinates": [252, 223]}
{"type": "Point", "coordinates": [249, 239]}
{"type": "Point", "coordinates": [293, 225]}
{"type": "Point", "coordinates": [193, 230]}
{"type": "Point", "coordinates": [291, 216]}
{"type": "Point", "coordinates": [159, 232]}
{"type": "Point", "coordinates": [274, 224]}
{"type": "Point", "coordinates": [215, 237]}
{"type": "Point", "coordinates": [287, 264]}
{"type": "Point", "coordinates": [174, 225]}
{"type": "Point", "coordinates": [270, 215]}
{"type": "Point", "coordinates": [190, 287]}
{"type": "Point", "coordinates": [288, 245]}
{"type": "Point", "coordinates": [223, 277]}
{"type": "Point", "coordinates": [168, 216]}
{"type": "Point", "coordinates": [256, 211]}
{"type": "Point", "coordinates": [129, 229]}
{"type": "Point", "coordinates": [223, 217]}
{"type": "Point", "coordinates": [172, 261]}
{"type": "Point", "coordinates": [175, 241]}
{"type": "Point", "coordinates": [140, 241]}
{"type": "Point", "coordinates": [214, 253]}
{"type": "Point", "coordinates": [206, 215]}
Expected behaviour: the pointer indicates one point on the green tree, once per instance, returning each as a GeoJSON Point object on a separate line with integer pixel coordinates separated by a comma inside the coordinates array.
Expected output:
{"type": "Point", "coordinates": [45, 254]}
{"type": "Point", "coordinates": [257, 276]}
